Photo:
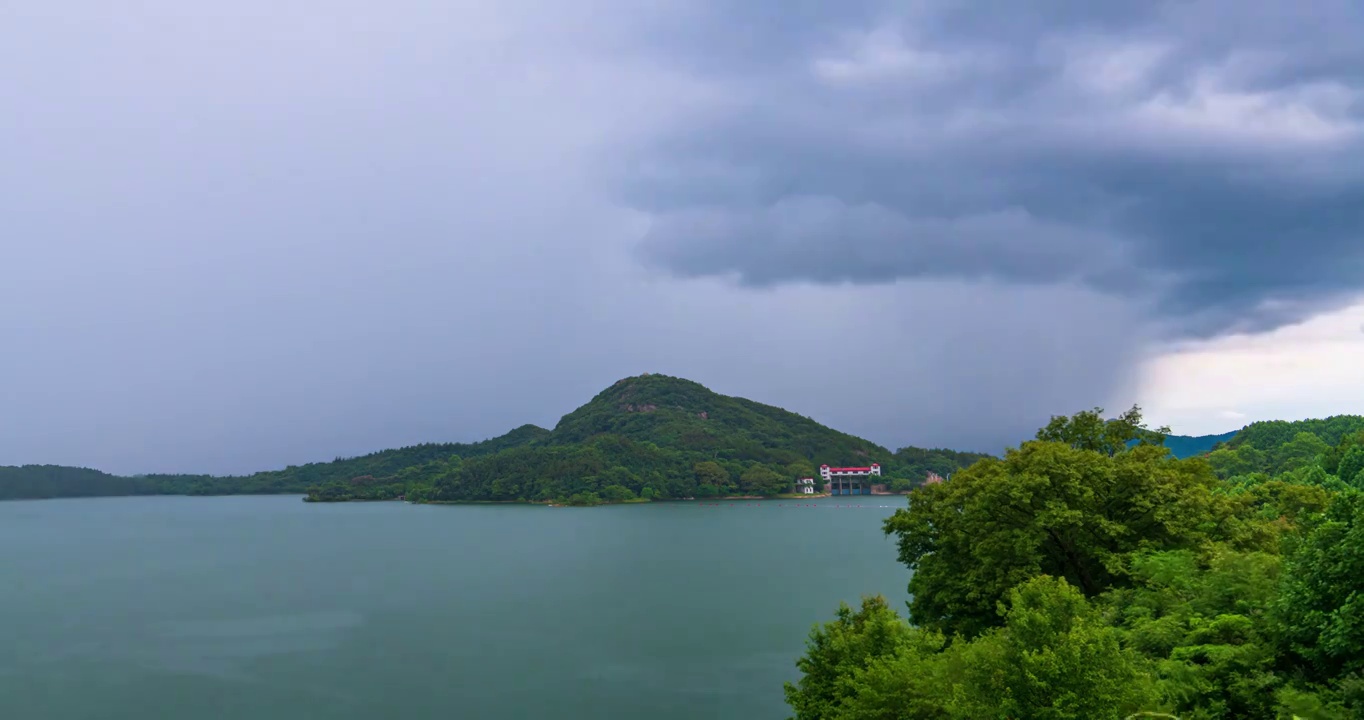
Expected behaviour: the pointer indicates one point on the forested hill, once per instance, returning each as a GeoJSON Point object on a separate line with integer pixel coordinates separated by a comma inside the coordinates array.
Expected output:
{"type": "Point", "coordinates": [35, 482]}
{"type": "Point", "coordinates": [392, 463]}
{"type": "Point", "coordinates": [674, 412]}
{"type": "Point", "coordinates": [1276, 446]}
{"type": "Point", "coordinates": [655, 436]}
{"type": "Point", "coordinates": [649, 436]}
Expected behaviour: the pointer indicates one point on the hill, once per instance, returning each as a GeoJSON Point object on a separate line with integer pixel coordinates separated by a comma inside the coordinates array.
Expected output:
{"type": "Point", "coordinates": [40, 482]}
{"type": "Point", "coordinates": [1275, 446]}
{"type": "Point", "coordinates": [655, 436]}
{"type": "Point", "coordinates": [649, 436]}
{"type": "Point", "coordinates": [1185, 446]}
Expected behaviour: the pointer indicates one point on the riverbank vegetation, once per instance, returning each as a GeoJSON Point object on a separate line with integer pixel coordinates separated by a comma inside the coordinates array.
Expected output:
{"type": "Point", "coordinates": [1090, 574]}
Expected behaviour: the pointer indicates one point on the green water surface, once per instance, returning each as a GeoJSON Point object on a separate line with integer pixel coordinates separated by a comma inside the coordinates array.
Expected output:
{"type": "Point", "coordinates": [268, 608]}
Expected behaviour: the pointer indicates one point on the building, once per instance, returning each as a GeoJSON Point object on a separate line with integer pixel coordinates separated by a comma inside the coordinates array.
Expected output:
{"type": "Point", "coordinates": [849, 480]}
{"type": "Point", "coordinates": [805, 486]}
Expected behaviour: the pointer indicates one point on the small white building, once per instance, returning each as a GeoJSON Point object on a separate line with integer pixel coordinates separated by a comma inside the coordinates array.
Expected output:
{"type": "Point", "coordinates": [805, 486]}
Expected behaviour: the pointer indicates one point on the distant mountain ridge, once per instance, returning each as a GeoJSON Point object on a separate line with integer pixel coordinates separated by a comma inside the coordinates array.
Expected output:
{"type": "Point", "coordinates": [1185, 446]}
{"type": "Point", "coordinates": [647, 436]}
{"type": "Point", "coordinates": [644, 437]}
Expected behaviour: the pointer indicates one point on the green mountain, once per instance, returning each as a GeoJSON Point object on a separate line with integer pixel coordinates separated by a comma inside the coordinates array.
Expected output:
{"type": "Point", "coordinates": [1272, 447]}
{"type": "Point", "coordinates": [1185, 446]}
{"type": "Point", "coordinates": [1269, 434]}
{"type": "Point", "coordinates": [654, 436]}
{"type": "Point", "coordinates": [650, 436]}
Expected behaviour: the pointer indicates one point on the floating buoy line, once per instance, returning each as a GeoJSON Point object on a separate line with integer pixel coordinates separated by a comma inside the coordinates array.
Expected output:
{"type": "Point", "coordinates": [796, 505]}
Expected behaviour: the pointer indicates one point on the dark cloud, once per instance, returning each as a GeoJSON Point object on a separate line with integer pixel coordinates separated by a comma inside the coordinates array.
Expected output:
{"type": "Point", "coordinates": [268, 232]}
{"type": "Point", "coordinates": [1204, 158]}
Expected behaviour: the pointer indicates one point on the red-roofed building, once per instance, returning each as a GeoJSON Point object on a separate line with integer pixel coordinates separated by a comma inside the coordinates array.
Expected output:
{"type": "Point", "coordinates": [849, 480]}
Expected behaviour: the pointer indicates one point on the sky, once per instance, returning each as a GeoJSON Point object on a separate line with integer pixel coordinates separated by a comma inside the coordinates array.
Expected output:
{"type": "Point", "coordinates": [237, 236]}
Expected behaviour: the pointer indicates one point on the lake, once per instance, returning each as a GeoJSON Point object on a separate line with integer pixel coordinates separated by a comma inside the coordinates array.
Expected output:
{"type": "Point", "coordinates": [268, 608]}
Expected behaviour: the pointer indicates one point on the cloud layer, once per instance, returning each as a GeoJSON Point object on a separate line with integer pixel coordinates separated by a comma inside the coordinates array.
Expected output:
{"type": "Point", "coordinates": [272, 232]}
{"type": "Point", "coordinates": [1204, 159]}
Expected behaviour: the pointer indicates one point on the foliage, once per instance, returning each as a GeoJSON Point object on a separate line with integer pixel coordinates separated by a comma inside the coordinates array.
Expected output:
{"type": "Point", "coordinates": [1203, 622]}
{"type": "Point", "coordinates": [1330, 462]}
{"type": "Point", "coordinates": [841, 652]}
{"type": "Point", "coordinates": [1321, 610]}
{"type": "Point", "coordinates": [1278, 446]}
{"type": "Point", "coordinates": [1052, 658]}
{"type": "Point", "coordinates": [1065, 509]}
{"type": "Point", "coordinates": [1087, 575]}
{"type": "Point", "coordinates": [1271, 434]}
{"type": "Point", "coordinates": [1088, 430]}
{"type": "Point", "coordinates": [914, 464]}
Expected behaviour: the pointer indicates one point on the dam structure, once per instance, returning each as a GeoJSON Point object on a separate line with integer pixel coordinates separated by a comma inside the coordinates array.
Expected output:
{"type": "Point", "coordinates": [849, 480]}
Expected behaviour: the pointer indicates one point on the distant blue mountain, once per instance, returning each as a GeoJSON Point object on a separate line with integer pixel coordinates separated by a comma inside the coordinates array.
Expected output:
{"type": "Point", "coordinates": [1183, 446]}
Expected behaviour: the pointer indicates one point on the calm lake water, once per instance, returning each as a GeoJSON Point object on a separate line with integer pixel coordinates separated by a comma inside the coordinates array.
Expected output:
{"type": "Point", "coordinates": [270, 608]}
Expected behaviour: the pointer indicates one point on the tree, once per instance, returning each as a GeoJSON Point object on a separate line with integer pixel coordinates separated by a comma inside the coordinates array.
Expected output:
{"type": "Point", "coordinates": [1351, 467]}
{"type": "Point", "coordinates": [1201, 621]}
{"type": "Point", "coordinates": [1054, 659]}
{"type": "Point", "coordinates": [1052, 508]}
{"type": "Point", "coordinates": [1302, 450]}
{"type": "Point", "coordinates": [1331, 459]}
{"type": "Point", "coordinates": [1321, 609]}
{"type": "Point", "coordinates": [898, 484]}
{"type": "Point", "coordinates": [709, 473]}
{"type": "Point", "coordinates": [617, 493]}
{"type": "Point", "coordinates": [844, 676]}
{"type": "Point", "coordinates": [760, 480]}
{"type": "Point", "coordinates": [621, 476]}
{"type": "Point", "coordinates": [800, 469]}
{"type": "Point", "coordinates": [1241, 460]}
{"type": "Point", "coordinates": [1087, 430]}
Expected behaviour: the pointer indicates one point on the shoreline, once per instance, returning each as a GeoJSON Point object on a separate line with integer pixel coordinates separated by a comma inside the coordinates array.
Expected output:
{"type": "Point", "coordinates": [632, 501]}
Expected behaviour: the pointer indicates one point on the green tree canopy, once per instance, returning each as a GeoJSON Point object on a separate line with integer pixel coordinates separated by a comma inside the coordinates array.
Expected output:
{"type": "Point", "coordinates": [1088, 430]}
{"type": "Point", "coordinates": [1054, 659]}
{"type": "Point", "coordinates": [1321, 611]}
{"type": "Point", "coordinates": [1074, 510]}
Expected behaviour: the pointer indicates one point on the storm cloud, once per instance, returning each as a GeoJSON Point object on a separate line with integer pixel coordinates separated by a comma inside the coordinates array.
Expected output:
{"type": "Point", "coordinates": [237, 236]}
{"type": "Point", "coordinates": [1206, 159]}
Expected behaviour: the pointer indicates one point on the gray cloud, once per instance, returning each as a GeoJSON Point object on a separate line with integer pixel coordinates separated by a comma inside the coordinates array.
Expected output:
{"type": "Point", "coordinates": [1206, 159]}
{"type": "Point", "coordinates": [263, 233]}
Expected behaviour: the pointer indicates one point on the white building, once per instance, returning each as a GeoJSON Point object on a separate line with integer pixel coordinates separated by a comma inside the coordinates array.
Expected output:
{"type": "Point", "coordinates": [805, 486]}
{"type": "Point", "coordinates": [849, 480]}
